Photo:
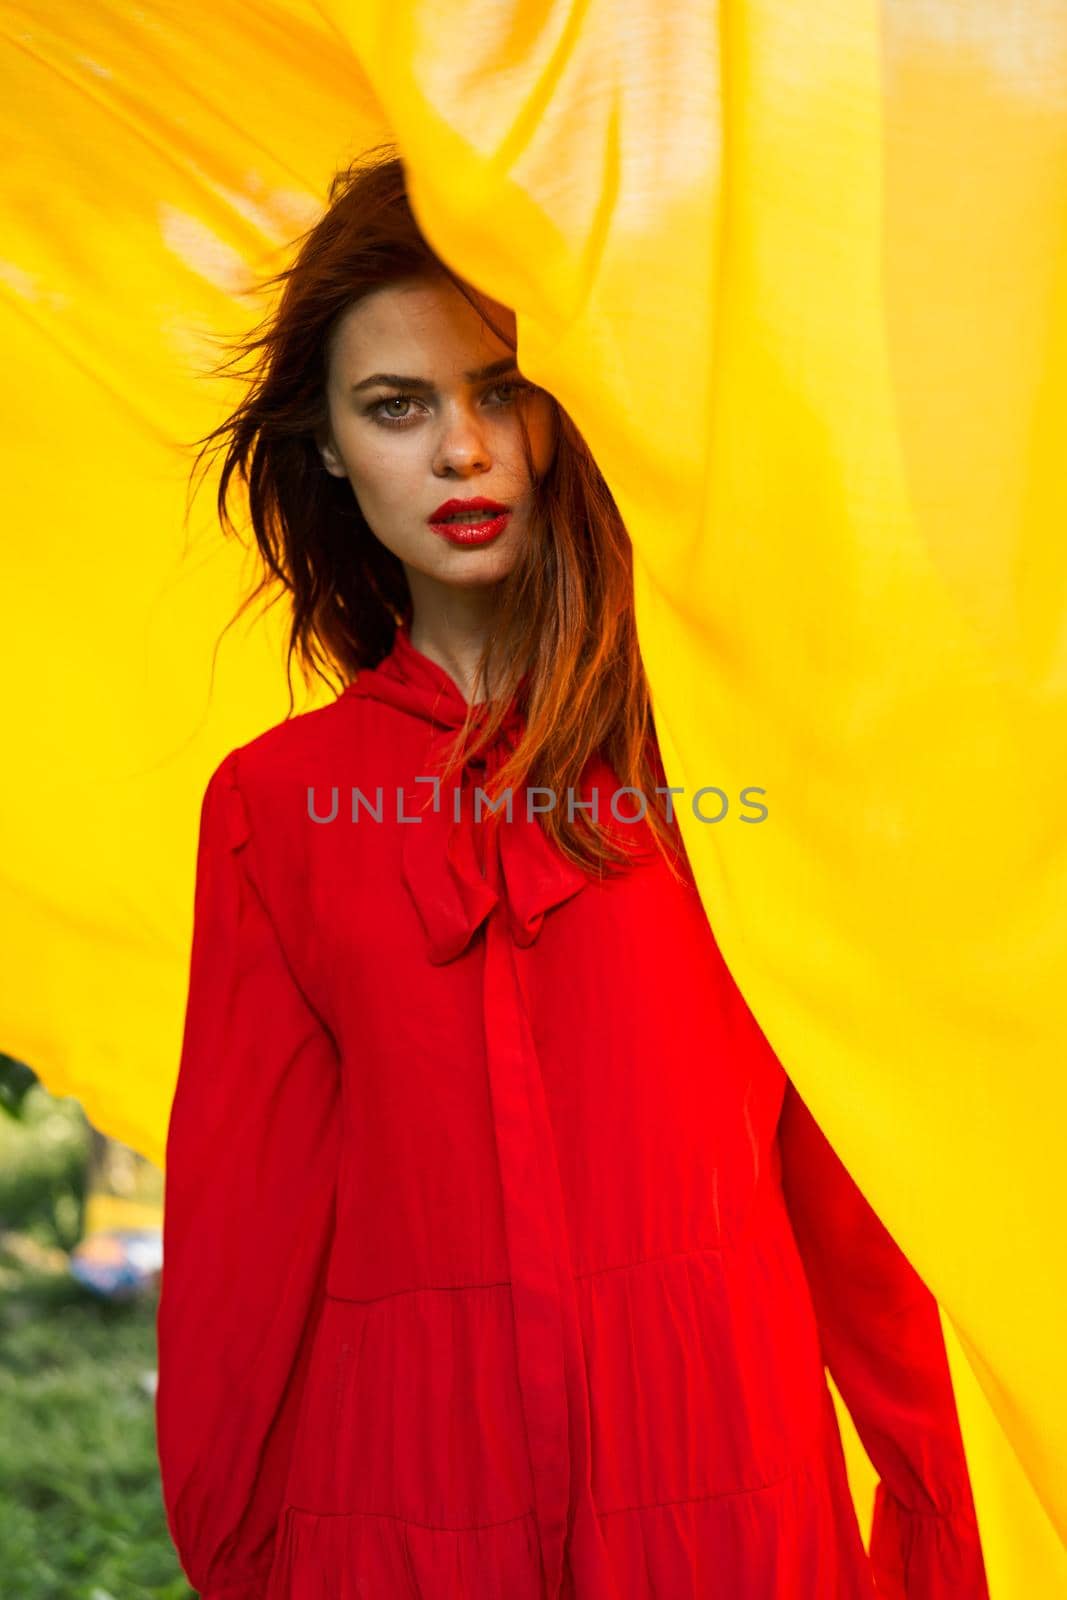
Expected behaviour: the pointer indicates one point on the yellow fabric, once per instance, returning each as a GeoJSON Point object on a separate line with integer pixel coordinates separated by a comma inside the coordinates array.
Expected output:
{"type": "Point", "coordinates": [798, 271]}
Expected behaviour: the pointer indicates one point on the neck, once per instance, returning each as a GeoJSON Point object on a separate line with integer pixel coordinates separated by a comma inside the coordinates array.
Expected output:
{"type": "Point", "coordinates": [454, 634]}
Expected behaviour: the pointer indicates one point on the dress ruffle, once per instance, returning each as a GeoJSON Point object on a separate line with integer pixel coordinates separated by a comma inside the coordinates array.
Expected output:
{"type": "Point", "coordinates": [792, 1540]}
{"type": "Point", "coordinates": [364, 1557]}
{"type": "Point", "coordinates": [405, 1469]}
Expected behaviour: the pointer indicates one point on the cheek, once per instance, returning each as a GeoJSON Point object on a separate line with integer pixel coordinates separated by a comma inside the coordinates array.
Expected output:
{"type": "Point", "coordinates": [377, 468]}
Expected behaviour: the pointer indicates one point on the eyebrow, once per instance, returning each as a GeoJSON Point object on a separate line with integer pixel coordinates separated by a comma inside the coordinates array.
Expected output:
{"type": "Point", "coordinates": [495, 369]}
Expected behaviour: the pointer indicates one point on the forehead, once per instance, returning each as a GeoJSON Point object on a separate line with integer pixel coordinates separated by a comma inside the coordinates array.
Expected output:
{"type": "Point", "coordinates": [418, 326]}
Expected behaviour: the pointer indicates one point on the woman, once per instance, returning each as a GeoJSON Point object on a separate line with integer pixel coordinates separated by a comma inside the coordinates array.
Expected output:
{"type": "Point", "coordinates": [500, 1256]}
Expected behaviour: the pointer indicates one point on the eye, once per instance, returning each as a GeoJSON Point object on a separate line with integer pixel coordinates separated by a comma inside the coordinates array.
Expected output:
{"type": "Point", "coordinates": [391, 421]}
{"type": "Point", "coordinates": [516, 385]}
{"type": "Point", "coordinates": [377, 411]}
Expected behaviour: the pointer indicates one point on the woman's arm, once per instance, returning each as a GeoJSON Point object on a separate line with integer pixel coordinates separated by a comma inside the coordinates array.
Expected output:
{"type": "Point", "coordinates": [252, 1152]}
{"type": "Point", "coordinates": [882, 1341]}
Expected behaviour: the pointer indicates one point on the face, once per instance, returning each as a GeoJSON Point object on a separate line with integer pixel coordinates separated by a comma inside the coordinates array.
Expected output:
{"type": "Point", "coordinates": [444, 433]}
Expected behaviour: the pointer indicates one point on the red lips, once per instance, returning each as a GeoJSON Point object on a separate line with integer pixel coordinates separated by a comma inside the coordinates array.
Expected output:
{"type": "Point", "coordinates": [476, 504]}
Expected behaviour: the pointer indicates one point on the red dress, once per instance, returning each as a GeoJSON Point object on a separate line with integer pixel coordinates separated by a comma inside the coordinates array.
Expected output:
{"type": "Point", "coordinates": [501, 1259]}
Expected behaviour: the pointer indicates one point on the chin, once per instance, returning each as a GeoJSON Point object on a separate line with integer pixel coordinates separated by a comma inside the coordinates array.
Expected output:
{"type": "Point", "coordinates": [470, 568]}
{"type": "Point", "coordinates": [483, 578]}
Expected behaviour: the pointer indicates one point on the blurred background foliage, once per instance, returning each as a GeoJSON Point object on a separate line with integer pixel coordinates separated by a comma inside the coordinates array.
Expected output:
{"type": "Point", "coordinates": [81, 1516]}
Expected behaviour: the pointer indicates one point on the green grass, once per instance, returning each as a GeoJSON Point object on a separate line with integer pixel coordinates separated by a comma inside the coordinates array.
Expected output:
{"type": "Point", "coordinates": [80, 1511]}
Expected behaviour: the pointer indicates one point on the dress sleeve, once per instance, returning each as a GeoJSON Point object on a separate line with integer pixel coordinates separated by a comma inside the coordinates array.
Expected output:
{"type": "Point", "coordinates": [882, 1341]}
{"type": "Point", "coordinates": [252, 1151]}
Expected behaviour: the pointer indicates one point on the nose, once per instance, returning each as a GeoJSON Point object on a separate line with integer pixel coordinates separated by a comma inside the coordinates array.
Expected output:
{"type": "Point", "coordinates": [462, 446]}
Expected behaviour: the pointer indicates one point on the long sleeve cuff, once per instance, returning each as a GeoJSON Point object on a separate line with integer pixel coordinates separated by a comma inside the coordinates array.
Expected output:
{"type": "Point", "coordinates": [882, 1340]}
{"type": "Point", "coordinates": [925, 1555]}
